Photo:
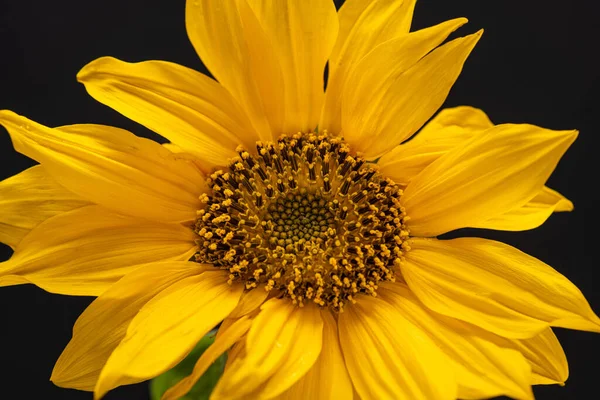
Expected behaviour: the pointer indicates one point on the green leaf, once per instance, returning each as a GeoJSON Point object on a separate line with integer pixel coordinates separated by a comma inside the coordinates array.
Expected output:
{"type": "Point", "coordinates": [203, 388]}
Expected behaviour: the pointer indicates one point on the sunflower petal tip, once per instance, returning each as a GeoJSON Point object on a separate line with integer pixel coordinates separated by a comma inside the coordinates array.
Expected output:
{"type": "Point", "coordinates": [6, 115]}
{"type": "Point", "coordinates": [93, 67]}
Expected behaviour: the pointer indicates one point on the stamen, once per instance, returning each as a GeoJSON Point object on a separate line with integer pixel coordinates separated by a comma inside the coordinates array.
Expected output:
{"type": "Point", "coordinates": [303, 219]}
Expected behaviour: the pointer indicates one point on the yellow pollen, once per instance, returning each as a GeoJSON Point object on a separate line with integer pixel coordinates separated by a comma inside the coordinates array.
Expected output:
{"type": "Point", "coordinates": [305, 219]}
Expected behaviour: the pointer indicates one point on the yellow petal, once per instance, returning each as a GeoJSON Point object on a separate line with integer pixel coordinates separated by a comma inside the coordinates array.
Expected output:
{"type": "Point", "coordinates": [29, 198]}
{"type": "Point", "coordinates": [282, 345]}
{"type": "Point", "coordinates": [547, 358]}
{"type": "Point", "coordinates": [386, 102]}
{"type": "Point", "coordinates": [389, 358]}
{"type": "Point", "coordinates": [482, 367]}
{"type": "Point", "coordinates": [186, 107]}
{"type": "Point", "coordinates": [493, 173]}
{"type": "Point", "coordinates": [84, 251]}
{"type": "Point", "coordinates": [112, 167]}
{"type": "Point", "coordinates": [364, 24]}
{"type": "Point", "coordinates": [452, 127]}
{"type": "Point", "coordinates": [303, 34]}
{"type": "Point", "coordinates": [494, 286]}
{"type": "Point", "coordinates": [167, 328]}
{"type": "Point", "coordinates": [532, 214]}
{"type": "Point", "coordinates": [221, 344]}
{"type": "Point", "coordinates": [103, 324]}
{"type": "Point", "coordinates": [239, 54]}
{"type": "Point", "coordinates": [328, 378]}
{"type": "Point", "coordinates": [249, 302]}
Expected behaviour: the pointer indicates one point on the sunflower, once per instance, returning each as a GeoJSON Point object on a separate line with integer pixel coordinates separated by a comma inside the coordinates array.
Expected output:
{"type": "Point", "coordinates": [301, 221]}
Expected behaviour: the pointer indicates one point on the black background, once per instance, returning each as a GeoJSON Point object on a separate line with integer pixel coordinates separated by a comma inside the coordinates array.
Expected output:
{"type": "Point", "coordinates": [537, 63]}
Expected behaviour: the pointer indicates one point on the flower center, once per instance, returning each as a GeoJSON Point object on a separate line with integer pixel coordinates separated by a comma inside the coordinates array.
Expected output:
{"type": "Point", "coordinates": [304, 219]}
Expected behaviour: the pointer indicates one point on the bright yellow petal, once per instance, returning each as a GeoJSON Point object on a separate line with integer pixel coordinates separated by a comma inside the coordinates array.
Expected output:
{"type": "Point", "coordinates": [84, 251]}
{"type": "Point", "coordinates": [364, 24]}
{"type": "Point", "coordinates": [188, 108]}
{"type": "Point", "coordinates": [494, 286]}
{"type": "Point", "coordinates": [328, 378]}
{"type": "Point", "coordinates": [303, 34]}
{"type": "Point", "coordinates": [112, 167]}
{"type": "Point", "coordinates": [386, 102]}
{"type": "Point", "coordinates": [167, 328]}
{"type": "Point", "coordinates": [221, 344]}
{"type": "Point", "coordinates": [103, 324]}
{"type": "Point", "coordinates": [547, 358]}
{"type": "Point", "coordinates": [493, 173]}
{"type": "Point", "coordinates": [29, 198]}
{"type": "Point", "coordinates": [531, 215]}
{"type": "Point", "coordinates": [249, 302]}
{"type": "Point", "coordinates": [389, 358]}
{"type": "Point", "coordinates": [282, 345]}
{"type": "Point", "coordinates": [240, 55]}
{"type": "Point", "coordinates": [452, 127]}
{"type": "Point", "coordinates": [483, 368]}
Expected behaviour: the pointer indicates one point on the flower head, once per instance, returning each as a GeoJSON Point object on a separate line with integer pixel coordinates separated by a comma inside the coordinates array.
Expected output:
{"type": "Point", "coordinates": [299, 220]}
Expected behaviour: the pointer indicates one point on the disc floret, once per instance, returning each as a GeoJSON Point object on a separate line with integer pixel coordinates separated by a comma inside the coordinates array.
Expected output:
{"type": "Point", "coordinates": [303, 219]}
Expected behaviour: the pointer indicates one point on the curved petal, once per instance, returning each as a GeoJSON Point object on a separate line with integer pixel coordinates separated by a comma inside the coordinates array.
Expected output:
{"type": "Point", "coordinates": [112, 167]}
{"type": "Point", "coordinates": [186, 107]}
{"type": "Point", "coordinates": [388, 357]}
{"type": "Point", "coordinates": [249, 302]}
{"type": "Point", "coordinates": [102, 326]}
{"type": "Point", "coordinates": [167, 328]}
{"type": "Point", "coordinates": [546, 357]}
{"type": "Point", "coordinates": [492, 174]}
{"type": "Point", "coordinates": [29, 198]}
{"type": "Point", "coordinates": [483, 368]}
{"type": "Point", "coordinates": [390, 98]}
{"type": "Point", "coordinates": [494, 286]}
{"type": "Point", "coordinates": [364, 24]}
{"type": "Point", "coordinates": [240, 55]}
{"type": "Point", "coordinates": [303, 35]}
{"type": "Point", "coordinates": [221, 344]}
{"type": "Point", "coordinates": [84, 251]}
{"type": "Point", "coordinates": [282, 345]}
{"type": "Point", "coordinates": [531, 215]}
{"type": "Point", "coordinates": [451, 128]}
{"type": "Point", "coordinates": [328, 378]}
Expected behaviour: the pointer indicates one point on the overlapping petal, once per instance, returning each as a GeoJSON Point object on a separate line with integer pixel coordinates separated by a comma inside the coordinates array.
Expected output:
{"type": "Point", "coordinates": [112, 167]}
{"type": "Point", "coordinates": [84, 251]}
{"type": "Point", "coordinates": [389, 357]}
{"type": "Point", "coordinates": [236, 49]}
{"type": "Point", "coordinates": [188, 108]}
{"type": "Point", "coordinates": [228, 337]}
{"type": "Point", "coordinates": [494, 286]}
{"type": "Point", "coordinates": [328, 378]}
{"type": "Point", "coordinates": [28, 199]}
{"type": "Point", "coordinates": [483, 368]}
{"type": "Point", "coordinates": [102, 326]}
{"type": "Point", "coordinates": [532, 214]}
{"type": "Point", "coordinates": [168, 327]}
{"type": "Point", "coordinates": [492, 174]}
{"type": "Point", "coordinates": [249, 302]}
{"type": "Point", "coordinates": [265, 370]}
{"type": "Point", "coordinates": [451, 128]}
{"type": "Point", "coordinates": [363, 25]}
{"type": "Point", "coordinates": [546, 357]}
{"type": "Point", "coordinates": [303, 34]}
{"type": "Point", "coordinates": [391, 97]}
